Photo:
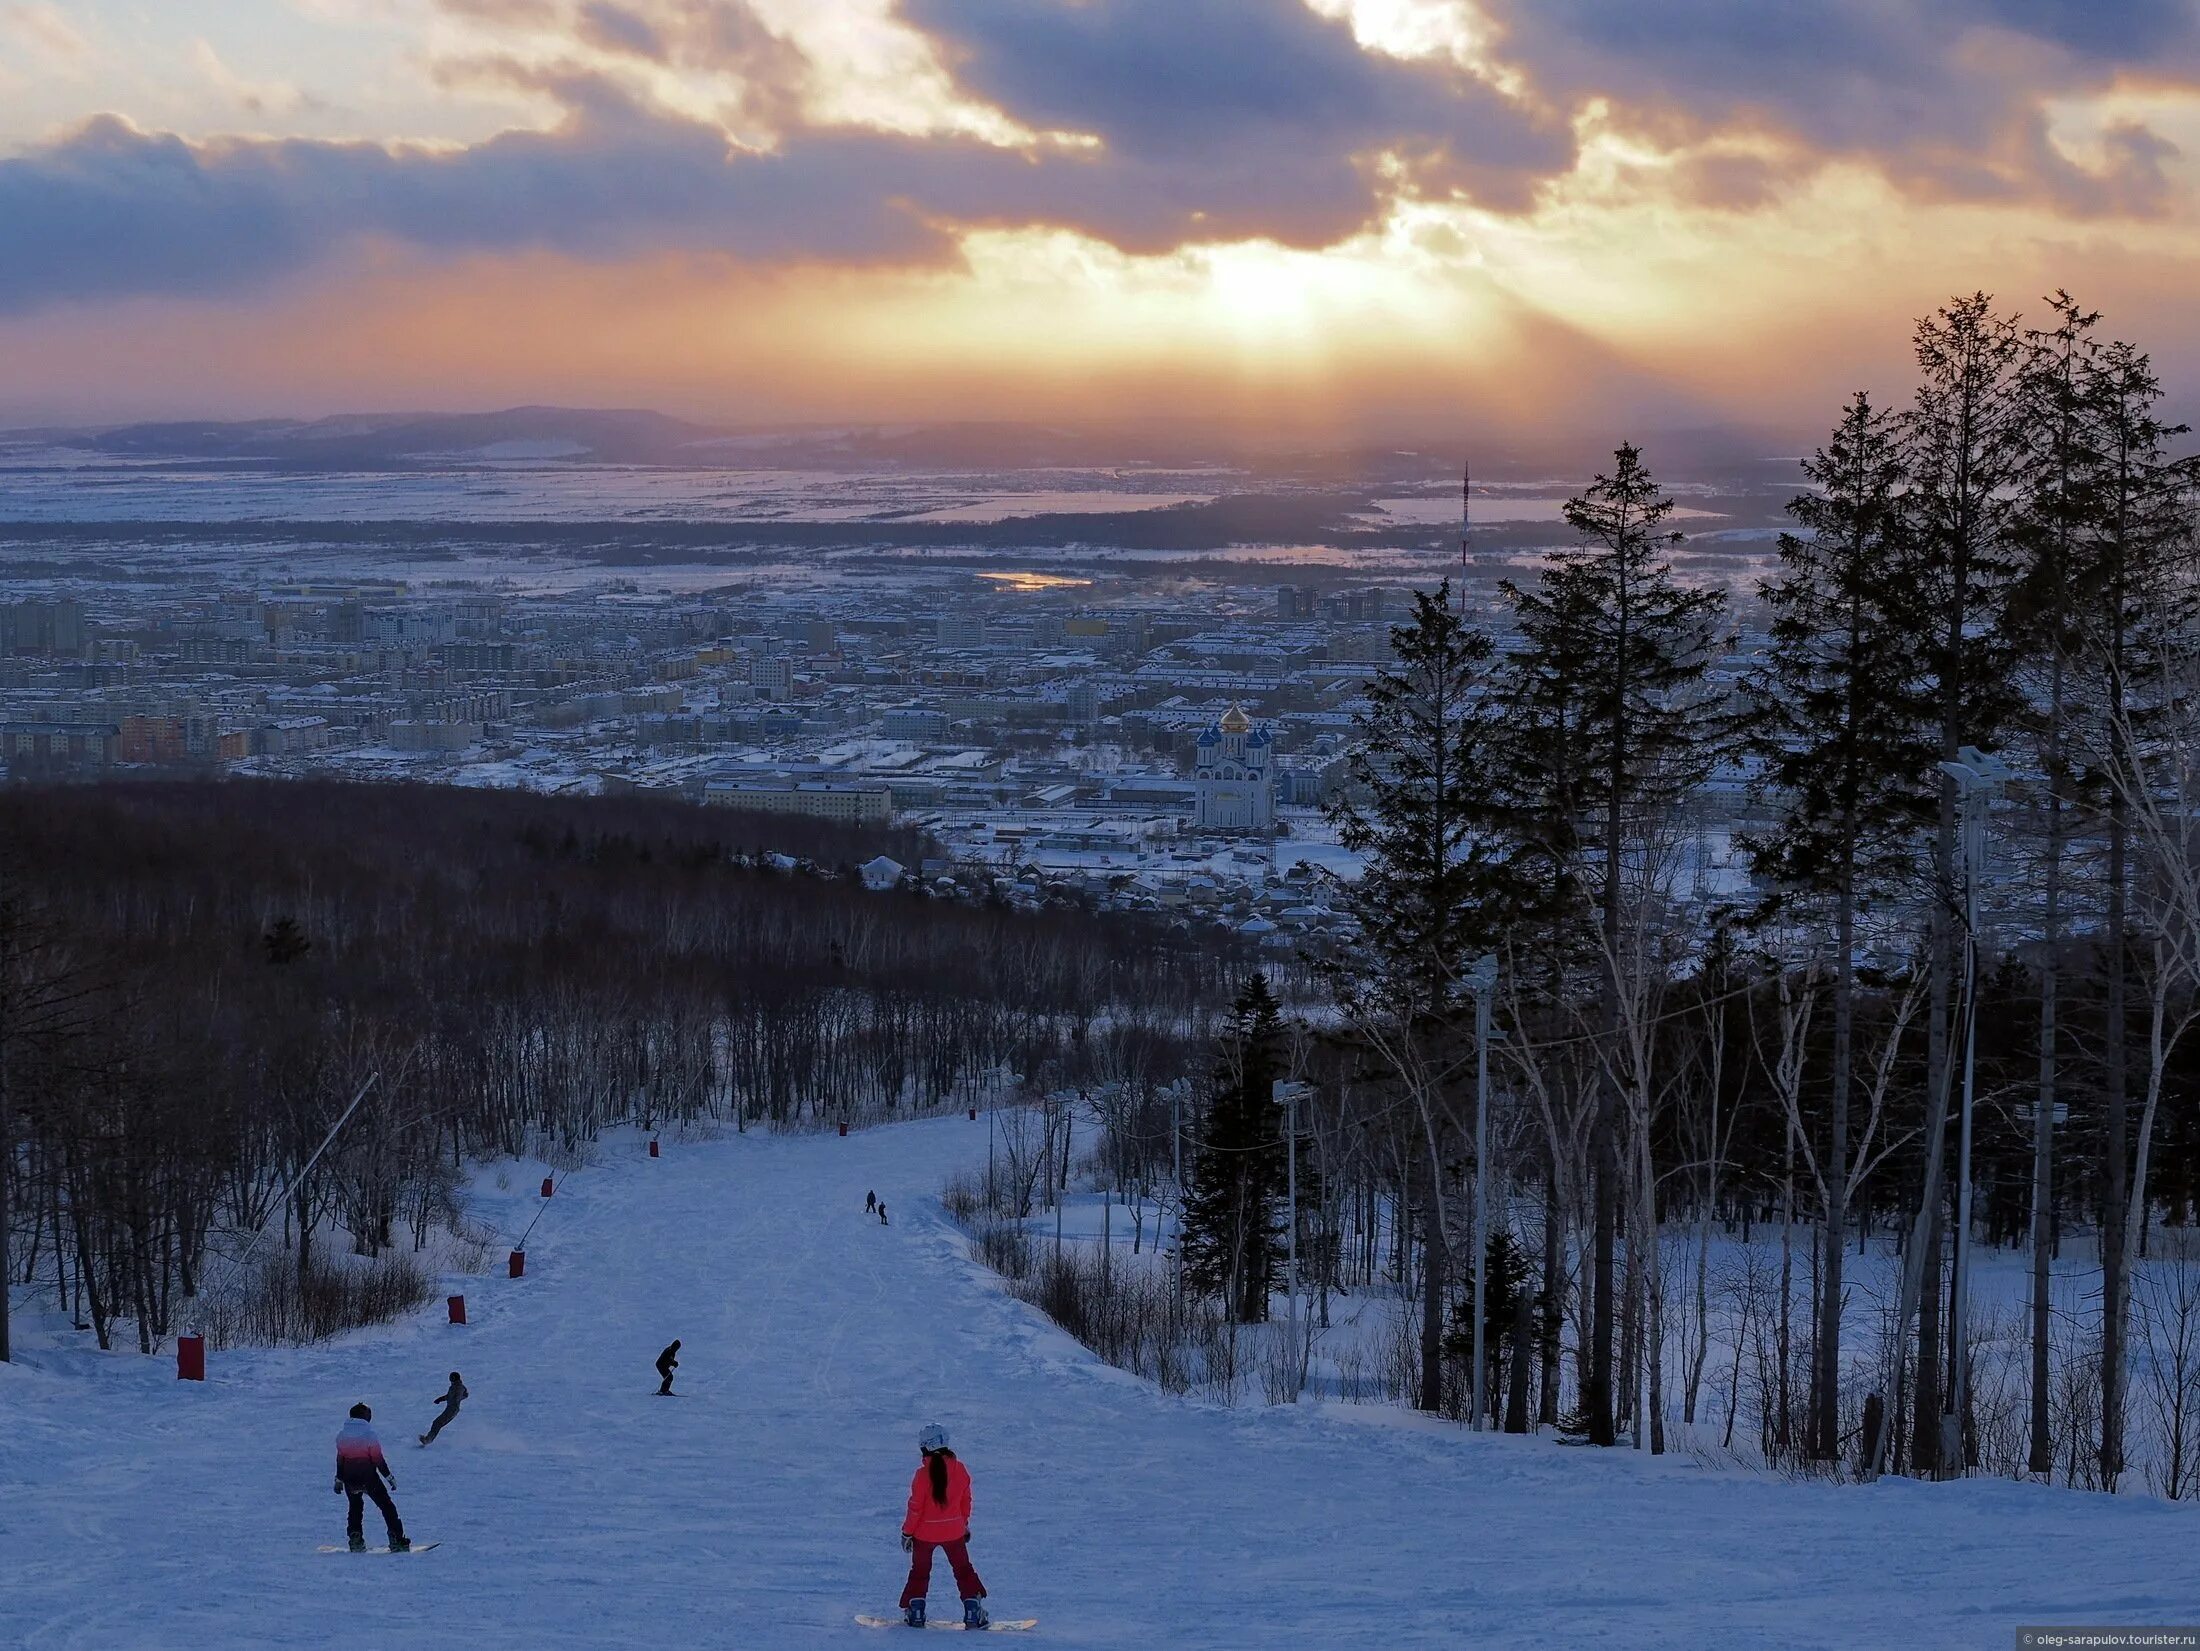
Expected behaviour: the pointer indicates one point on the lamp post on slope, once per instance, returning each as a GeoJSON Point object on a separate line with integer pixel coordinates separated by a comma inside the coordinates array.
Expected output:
{"type": "Point", "coordinates": [1979, 777]}
{"type": "Point", "coordinates": [1481, 981]}
{"type": "Point", "coordinates": [1290, 1092]}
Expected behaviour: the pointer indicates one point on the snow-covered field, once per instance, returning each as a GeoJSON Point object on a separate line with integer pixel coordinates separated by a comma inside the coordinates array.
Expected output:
{"type": "Point", "coordinates": [577, 1509]}
{"type": "Point", "coordinates": [64, 486]}
{"type": "Point", "coordinates": [1369, 1348]}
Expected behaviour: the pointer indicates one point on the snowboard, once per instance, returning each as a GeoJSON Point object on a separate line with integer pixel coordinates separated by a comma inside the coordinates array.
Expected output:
{"type": "Point", "coordinates": [416, 1548]}
{"type": "Point", "coordinates": [953, 1625]}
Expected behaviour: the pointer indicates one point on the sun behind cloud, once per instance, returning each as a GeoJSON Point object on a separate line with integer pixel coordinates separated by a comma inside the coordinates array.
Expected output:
{"type": "Point", "coordinates": [1374, 210]}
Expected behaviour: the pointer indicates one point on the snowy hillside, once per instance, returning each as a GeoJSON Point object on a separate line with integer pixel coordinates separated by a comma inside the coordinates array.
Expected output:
{"type": "Point", "coordinates": [760, 1509]}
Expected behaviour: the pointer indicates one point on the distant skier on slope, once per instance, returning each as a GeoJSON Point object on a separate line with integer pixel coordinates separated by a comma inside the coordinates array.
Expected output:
{"type": "Point", "coordinates": [939, 1517]}
{"type": "Point", "coordinates": [360, 1471]}
{"type": "Point", "coordinates": [882, 1212]}
{"type": "Point", "coordinates": [667, 1362]}
{"type": "Point", "coordinates": [870, 1203]}
{"type": "Point", "coordinates": [450, 1399]}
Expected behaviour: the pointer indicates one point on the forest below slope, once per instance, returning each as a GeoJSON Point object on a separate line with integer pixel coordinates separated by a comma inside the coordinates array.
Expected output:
{"type": "Point", "coordinates": [197, 979]}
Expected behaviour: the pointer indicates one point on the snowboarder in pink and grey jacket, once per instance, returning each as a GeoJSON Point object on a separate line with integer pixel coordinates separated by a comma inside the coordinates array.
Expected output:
{"type": "Point", "coordinates": [361, 1470]}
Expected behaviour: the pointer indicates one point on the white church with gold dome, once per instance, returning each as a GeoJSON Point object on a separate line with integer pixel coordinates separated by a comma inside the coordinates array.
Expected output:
{"type": "Point", "coordinates": [1236, 776]}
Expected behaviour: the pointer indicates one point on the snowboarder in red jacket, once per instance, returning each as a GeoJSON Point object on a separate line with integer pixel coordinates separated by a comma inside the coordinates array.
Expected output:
{"type": "Point", "coordinates": [360, 1472]}
{"type": "Point", "coordinates": [939, 1517]}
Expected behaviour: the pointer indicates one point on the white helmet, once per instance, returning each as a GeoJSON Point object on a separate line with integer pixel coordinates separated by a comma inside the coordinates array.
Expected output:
{"type": "Point", "coordinates": [932, 1438]}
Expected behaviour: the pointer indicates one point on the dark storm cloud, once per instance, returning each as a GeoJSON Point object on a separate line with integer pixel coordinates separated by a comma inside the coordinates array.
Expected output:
{"type": "Point", "coordinates": [1272, 137]}
{"type": "Point", "coordinates": [716, 36]}
{"type": "Point", "coordinates": [1947, 97]}
{"type": "Point", "coordinates": [613, 28]}
{"type": "Point", "coordinates": [2110, 31]}
{"type": "Point", "coordinates": [1179, 81]}
{"type": "Point", "coordinates": [112, 211]}
{"type": "Point", "coordinates": [1224, 119]}
{"type": "Point", "coordinates": [533, 14]}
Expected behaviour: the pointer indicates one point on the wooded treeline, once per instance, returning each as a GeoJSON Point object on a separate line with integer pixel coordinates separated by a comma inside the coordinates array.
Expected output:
{"type": "Point", "coordinates": [1759, 892]}
{"type": "Point", "coordinates": [196, 979]}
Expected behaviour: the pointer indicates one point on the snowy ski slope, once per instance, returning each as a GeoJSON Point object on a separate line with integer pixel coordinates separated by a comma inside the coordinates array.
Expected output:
{"type": "Point", "coordinates": [760, 1511]}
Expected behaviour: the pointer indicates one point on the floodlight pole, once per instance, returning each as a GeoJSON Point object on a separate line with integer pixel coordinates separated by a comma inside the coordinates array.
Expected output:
{"type": "Point", "coordinates": [1291, 1264]}
{"type": "Point", "coordinates": [1978, 777]}
{"type": "Point", "coordinates": [1481, 981]}
{"type": "Point", "coordinates": [1176, 1168]}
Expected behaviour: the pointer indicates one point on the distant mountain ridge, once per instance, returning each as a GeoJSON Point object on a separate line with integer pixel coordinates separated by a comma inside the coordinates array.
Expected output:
{"type": "Point", "coordinates": [348, 441]}
{"type": "Point", "coordinates": [639, 436]}
{"type": "Point", "coordinates": [588, 435]}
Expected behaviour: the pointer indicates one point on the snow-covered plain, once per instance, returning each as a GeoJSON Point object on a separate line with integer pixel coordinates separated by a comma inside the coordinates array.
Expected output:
{"type": "Point", "coordinates": [60, 485]}
{"type": "Point", "coordinates": [577, 1509]}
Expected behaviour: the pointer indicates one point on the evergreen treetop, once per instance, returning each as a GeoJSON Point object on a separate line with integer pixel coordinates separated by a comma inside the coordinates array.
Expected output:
{"type": "Point", "coordinates": [1841, 707]}
{"type": "Point", "coordinates": [1607, 720]}
{"type": "Point", "coordinates": [1419, 807]}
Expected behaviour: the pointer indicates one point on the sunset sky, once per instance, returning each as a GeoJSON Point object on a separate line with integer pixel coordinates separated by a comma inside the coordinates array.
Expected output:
{"type": "Point", "coordinates": [1338, 215]}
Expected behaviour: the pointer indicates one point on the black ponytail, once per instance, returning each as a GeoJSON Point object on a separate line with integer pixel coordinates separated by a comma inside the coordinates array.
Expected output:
{"type": "Point", "coordinates": [935, 1465]}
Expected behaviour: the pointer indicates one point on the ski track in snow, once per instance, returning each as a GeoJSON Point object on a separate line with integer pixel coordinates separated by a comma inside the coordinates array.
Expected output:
{"type": "Point", "coordinates": [761, 1510]}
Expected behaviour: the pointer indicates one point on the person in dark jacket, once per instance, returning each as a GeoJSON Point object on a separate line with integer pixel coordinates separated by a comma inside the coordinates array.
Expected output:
{"type": "Point", "coordinates": [361, 1470]}
{"type": "Point", "coordinates": [870, 1203]}
{"type": "Point", "coordinates": [450, 1399]}
{"type": "Point", "coordinates": [882, 1212]}
{"type": "Point", "coordinates": [667, 1362]}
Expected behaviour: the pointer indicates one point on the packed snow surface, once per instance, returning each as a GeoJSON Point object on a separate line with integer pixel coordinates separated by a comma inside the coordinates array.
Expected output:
{"type": "Point", "coordinates": [576, 1508]}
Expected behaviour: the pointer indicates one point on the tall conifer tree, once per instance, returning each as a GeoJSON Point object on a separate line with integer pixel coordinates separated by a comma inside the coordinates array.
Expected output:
{"type": "Point", "coordinates": [1959, 438]}
{"type": "Point", "coordinates": [1418, 809]}
{"type": "Point", "coordinates": [2058, 506]}
{"type": "Point", "coordinates": [2128, 596]}
{"type": "Point", "coordinates": [1841, 719]}
{"type": "Point", "coordinates": [1607, 727]}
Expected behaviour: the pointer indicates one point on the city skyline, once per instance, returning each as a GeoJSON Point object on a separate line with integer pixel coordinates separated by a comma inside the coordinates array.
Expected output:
{"type": "Point", "coordinates": [1357, 217]}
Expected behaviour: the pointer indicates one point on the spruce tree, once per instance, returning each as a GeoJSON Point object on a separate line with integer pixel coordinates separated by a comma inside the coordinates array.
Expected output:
{"type": "Point", "coordinates": [1960, 449]}
{"type": "Point", "coordinates": [1841, 721]}
{"type": "Point", "coordinates": [1607, 726]}
{"type": "Point", "coordinates": [1507, 1308]}
{"type": "Point", "coordinates": [2057, 506]}
{"type": "Point", "coordinates": [2129, 594]}
{"type": "Point", "coordinates": [1232, 1238]}
{"type": "Point", "coordinates": [1418, 808]}
{"type": "Point", "coordinates": [285, 941]}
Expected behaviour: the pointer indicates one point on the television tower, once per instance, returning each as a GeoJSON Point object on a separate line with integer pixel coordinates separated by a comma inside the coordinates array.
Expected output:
{"type": "Point", "coordinates": [1466, 527]}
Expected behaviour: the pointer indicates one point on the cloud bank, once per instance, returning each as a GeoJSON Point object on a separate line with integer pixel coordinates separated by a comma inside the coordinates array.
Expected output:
{"type": "Point", "coordinates": [1152, 124]}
